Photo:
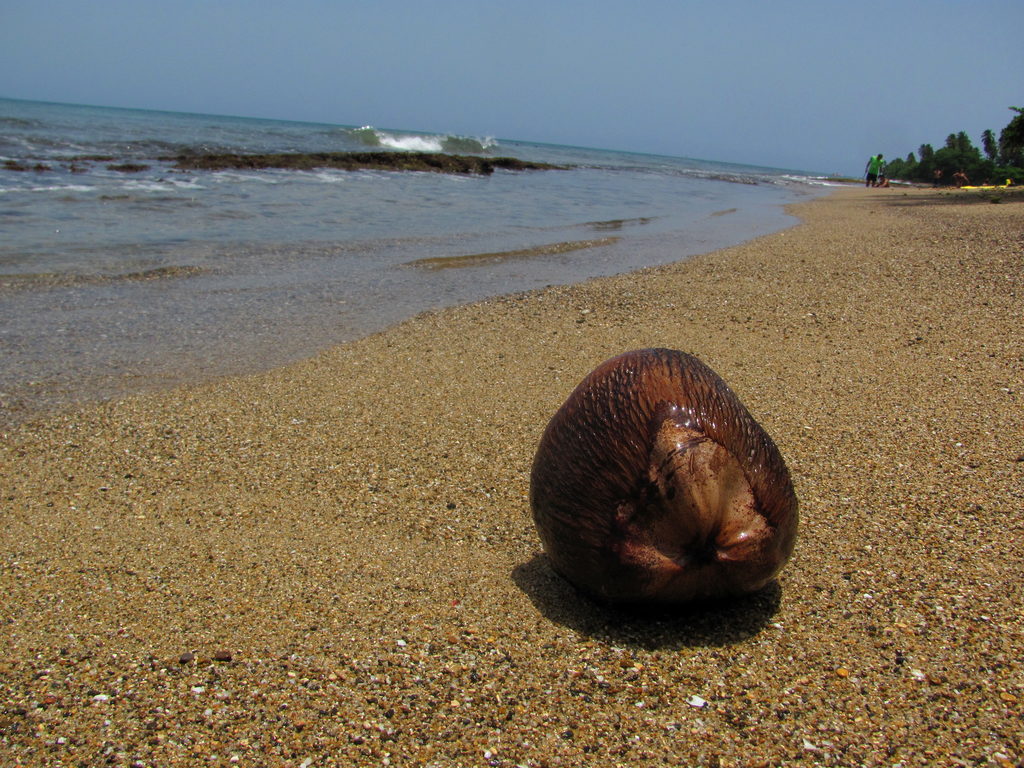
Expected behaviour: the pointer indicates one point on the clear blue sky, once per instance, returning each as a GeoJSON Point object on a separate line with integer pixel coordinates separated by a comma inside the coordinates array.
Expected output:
{"type": "Point", "coordinates": [814, 85]}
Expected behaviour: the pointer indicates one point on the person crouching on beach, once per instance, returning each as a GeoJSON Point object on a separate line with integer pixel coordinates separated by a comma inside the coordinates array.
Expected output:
{"type": "Point", "coordinates": [873, 168]}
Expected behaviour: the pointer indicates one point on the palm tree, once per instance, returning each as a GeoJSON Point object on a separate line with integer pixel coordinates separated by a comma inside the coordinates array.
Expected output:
{"type": "Point", "coordinates": [990, 145]}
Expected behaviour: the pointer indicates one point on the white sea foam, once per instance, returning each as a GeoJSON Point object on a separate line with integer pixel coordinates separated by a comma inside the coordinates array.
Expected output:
{"type": "Point", "coordinates": [148, 185]}
{"type": "Point", "coordinates": [412, 143]}
{"type": "Point", "coordinates": [331, 177]}
{"type": "Point", "coordinates": [63, 188]}
{"type": "Point", "coordinates": [814, 181]}
{"type": "Point", "coordinates": [157, 186]}
{"type": "Point", "coordinates": [266, 177]}
{"type": "Point", "coordinates": [187, 184]}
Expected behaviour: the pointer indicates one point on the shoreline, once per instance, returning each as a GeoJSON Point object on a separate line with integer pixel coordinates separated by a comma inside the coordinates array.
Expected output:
{"type": "Point", "coordinates": [334, 560]}
{"type": "Point", "coordinates": [203, 318]}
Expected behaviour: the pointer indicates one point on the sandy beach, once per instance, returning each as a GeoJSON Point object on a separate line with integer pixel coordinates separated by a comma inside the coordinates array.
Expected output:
{"type": "Point", "coordinates": [334, 563]}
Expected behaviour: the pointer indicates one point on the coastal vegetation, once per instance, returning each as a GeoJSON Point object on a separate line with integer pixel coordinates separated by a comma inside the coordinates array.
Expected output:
{"type": "Point", "coordinates": [996, 161]}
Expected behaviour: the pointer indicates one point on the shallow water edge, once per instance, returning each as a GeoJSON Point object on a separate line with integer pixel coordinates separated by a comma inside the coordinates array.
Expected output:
{"type": "Point", "coordinates": [72, 367]}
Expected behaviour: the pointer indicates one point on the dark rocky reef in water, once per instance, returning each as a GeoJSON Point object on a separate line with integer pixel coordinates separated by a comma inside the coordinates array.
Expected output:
{"type": "Point", "coordinates": [128, 167]}
{"type": "Point", "coordinates": [435, 162]}
{"type": "Point", "coordinates": [14, 165]}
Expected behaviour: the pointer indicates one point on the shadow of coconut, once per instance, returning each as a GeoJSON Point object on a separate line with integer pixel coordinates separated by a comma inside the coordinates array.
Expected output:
{"type": "Point", "coordinates": [700, 624]}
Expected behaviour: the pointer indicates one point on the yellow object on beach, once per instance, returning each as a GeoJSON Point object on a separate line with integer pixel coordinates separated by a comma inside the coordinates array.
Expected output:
{"type": "Point", "coordinates": [1009, 183]}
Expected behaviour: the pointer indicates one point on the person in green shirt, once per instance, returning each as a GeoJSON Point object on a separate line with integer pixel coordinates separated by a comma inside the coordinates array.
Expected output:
{"type": "Point", "coordinates": [873, 169]}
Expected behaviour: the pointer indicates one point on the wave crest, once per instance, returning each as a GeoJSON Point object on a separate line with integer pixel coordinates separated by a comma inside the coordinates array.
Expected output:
{"type": "Point", "coordinates": [369, 136]}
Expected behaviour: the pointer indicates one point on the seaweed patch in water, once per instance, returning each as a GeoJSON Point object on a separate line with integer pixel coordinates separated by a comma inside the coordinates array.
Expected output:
{"type": "Point", "coordinates": [617, 224]}
{"type": "Point", "coordinates": [62, 279]}
{"type": "Point", "coordinates": [481, 259]}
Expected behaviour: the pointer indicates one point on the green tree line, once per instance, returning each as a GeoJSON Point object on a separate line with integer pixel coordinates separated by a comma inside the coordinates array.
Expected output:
{"type": "Point", "coordinates": [997, 160]}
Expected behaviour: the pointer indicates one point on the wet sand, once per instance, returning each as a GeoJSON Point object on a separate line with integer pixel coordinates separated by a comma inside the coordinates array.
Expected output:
{"type": "Point", "coordinates": [333, 563]}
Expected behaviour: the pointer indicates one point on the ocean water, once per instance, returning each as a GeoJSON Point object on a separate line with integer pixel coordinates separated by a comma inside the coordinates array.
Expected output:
{"type": "Point", "coordinates": [119, 272]}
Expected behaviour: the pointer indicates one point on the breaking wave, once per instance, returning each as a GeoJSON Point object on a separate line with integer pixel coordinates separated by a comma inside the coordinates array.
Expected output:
{"type": "Point", "coordinates": [369, 136]}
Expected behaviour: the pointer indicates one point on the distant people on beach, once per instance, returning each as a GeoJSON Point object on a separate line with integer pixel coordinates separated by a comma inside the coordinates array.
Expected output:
{"type": "Point", "coordinates": [936, 177]}
{"type": "Point", "coordinates": [873, 170]}
{"type": "Point", "coordinates": [960, 178]}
